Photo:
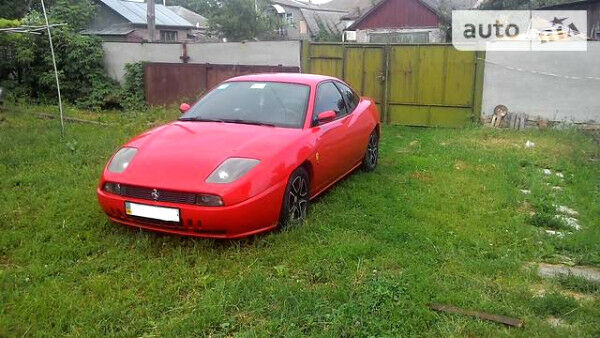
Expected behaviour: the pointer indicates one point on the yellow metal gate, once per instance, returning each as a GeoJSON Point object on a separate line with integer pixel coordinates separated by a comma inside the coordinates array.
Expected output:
{"type": "Point", "coordinates": [419, 85]}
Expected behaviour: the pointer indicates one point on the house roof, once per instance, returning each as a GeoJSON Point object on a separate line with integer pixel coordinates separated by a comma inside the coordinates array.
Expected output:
{"type": "Point", "coordinates": [194, 18]}
{"type": "Point", "coordinates": [330, 21]}
{"type": "Point", "coordinates": [116, 29]}
{"type": "Point", "coordinates": [135, 12]}
{"type": "Point", "coordinates": [305, 5]}
{"type": "Point", "coordinates": [316, 16]}
{"type": "Point", "coordinates": [434, 5]}
{"type": "Point", "coordinates": [354, 8]}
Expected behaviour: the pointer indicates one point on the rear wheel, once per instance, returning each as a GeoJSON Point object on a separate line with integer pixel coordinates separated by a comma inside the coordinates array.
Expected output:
{"type": "Point", "coordinates": [296, 199]}
{"type": "Point", "coordinates": [372, 153]}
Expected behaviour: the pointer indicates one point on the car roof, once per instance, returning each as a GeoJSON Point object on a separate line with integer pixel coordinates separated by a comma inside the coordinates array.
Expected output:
{"type": "Point", "coordinates": [308, 79]}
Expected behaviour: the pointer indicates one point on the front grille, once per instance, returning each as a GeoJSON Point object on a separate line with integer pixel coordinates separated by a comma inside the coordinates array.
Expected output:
{"type": "Point", "coordinates": [158, 194]}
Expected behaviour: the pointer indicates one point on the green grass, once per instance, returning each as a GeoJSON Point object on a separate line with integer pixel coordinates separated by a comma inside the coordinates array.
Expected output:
{"type": "Point", "coordinates": [440, 220]}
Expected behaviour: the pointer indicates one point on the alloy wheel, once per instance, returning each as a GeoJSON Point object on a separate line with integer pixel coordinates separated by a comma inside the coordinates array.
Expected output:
{"type": "Point", "coordinates": [298, 199]}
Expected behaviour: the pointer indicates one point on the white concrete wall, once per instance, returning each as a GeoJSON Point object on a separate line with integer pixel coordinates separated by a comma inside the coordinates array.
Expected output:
{"type": "Point", "coordinates": [270, 53]}
{"type": "Point", "coordinates": [514, 79]}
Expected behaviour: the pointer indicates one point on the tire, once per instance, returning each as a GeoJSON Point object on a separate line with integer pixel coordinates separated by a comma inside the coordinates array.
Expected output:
{"type": "Point", "coordinates": [296, 199]}
{"type": "Point", "coordinates": [371, 158]}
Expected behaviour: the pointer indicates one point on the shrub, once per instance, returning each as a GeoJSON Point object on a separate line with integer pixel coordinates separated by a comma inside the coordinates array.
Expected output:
{"type": "Point", "coordinates": [26, 63]}
{"type": "Point", "coordinates": [133, 96]}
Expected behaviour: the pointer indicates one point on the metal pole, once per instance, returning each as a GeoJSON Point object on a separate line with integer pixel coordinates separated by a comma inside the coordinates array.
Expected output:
{"type": "Point", "coordinates": [151, 21]}
{"type": "Point", "coordinates": [62, 123]}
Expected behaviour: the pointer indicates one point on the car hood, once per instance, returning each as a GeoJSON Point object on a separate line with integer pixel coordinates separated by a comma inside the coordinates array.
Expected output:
{"type": "Point", "coordinates": [181, 155]}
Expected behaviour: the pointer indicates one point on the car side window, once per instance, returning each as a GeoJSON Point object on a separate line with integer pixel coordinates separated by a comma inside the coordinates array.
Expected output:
{"type": "Point", "coordinates": [352, 99]}
{"type": "Point", "coordinates": [329, 98]}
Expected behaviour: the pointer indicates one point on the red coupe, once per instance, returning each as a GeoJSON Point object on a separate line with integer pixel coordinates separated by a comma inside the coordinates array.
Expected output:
{"type": "Point", "coordinates": [246, 158]}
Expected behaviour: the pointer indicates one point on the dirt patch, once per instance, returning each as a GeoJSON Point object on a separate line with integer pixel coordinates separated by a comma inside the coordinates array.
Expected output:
{"type": "Point", "coordinates": [502, 143]}
{"type": "Point", "coordinates": [527, 208]}
{"type": "Point", "coordinates": [556, 322]}
{"type": "Point", "coordinates": [460, 165]}
{"type": "Point", "coordinates": [422, 176]}
{"type": "Point", "coordinates": [5, 262]}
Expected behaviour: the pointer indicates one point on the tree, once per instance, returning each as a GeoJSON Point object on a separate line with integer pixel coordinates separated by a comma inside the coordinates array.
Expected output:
{"type": "Point", "coordinates": [239, 20]}
{"type": "Point", "coordinates": [202, 7]}
{"type": "Point", "coordinates": [327, 33]}
{"type": "Point", "coordinates": [76, 13]}
{"type": "Point", "coordinates": [27, 68]}
{"type": "Point", "coordinates": [518, 4]}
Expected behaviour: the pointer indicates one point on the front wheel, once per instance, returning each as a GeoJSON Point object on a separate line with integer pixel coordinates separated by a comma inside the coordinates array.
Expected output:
{"type": "Point", "coordinates": [296, 199]}
{"type": "Point", "coordinates": [372, 153]}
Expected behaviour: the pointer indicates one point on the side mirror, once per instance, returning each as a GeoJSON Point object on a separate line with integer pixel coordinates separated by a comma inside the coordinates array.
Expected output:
{"type": "Point", "coordinates": [184, 107]}
{"type": "Point", "coordinates": [326, 116]}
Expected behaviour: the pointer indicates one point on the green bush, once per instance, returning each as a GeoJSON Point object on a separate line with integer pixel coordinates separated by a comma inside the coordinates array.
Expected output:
{"type": "Point", "coordinates": [133, 96]}
{"type": "Point", "coordinates": [26, 66]}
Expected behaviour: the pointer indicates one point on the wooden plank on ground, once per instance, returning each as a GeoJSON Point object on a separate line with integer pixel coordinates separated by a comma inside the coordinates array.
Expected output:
{"type": "Point", "coordinates": [477, 314]}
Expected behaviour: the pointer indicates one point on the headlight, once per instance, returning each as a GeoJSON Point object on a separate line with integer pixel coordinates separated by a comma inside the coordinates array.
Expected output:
{"type": "Point", "coordinates": [231, 169]}
{"type": "Point", "coordinates": [121, 160]}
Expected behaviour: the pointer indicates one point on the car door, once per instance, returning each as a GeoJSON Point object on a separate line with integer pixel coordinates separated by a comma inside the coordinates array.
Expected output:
{"type": "Point", "coordinates": [331, 153]}
{"type": "Point", "coordinates": [357, 125]}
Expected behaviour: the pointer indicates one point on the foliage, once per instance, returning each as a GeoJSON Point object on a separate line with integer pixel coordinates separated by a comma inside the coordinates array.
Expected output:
{"type": "Point", "coordinates": [133, 96]}
{"type": "Point", "coordinates": [14, 51]}
{"type": "Point", "coordinates": [326, 33]}
{"type": "Point", "coordinates": [202, 7]}
{"type": "Point", "coordinates": [238, 20]}
{"type": "Point", "coordinates": [77, 13]}
{"type": "Point", "coordinates": [14, 9]}
{"type": "Point", "coordinates": [517, 4]}
{"type": "Point", "coordinates": [28, 71]}
{"type": "Point", "coordinates": [375, 250]}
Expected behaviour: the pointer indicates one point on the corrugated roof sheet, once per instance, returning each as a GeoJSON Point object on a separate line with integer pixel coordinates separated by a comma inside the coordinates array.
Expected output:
{"type": "Point", "coordinates": [190, 16]}
{"type": "Point", "coordinates": [135, 12]}
{"type": "Point", "coordinates": [117, 29]}
{"type": "Point", "coordinates": [330, 21]}
{"type": "Point", "coordinates": [305, 5]}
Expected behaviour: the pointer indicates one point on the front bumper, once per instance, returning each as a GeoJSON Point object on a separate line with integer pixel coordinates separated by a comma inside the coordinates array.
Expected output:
{"type": "Point", "coordinates": [255, 215]}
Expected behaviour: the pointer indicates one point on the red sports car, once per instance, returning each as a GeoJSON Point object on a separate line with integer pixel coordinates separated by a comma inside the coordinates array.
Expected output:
{"type": "Point", "coordinates": [246, 158]}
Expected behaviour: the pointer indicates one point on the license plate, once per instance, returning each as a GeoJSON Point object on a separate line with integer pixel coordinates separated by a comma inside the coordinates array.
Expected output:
{"type": "Point", "coordinates": [153, 212]}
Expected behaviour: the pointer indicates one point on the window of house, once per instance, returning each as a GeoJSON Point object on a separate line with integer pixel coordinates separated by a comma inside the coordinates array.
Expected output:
{"type": "Point", "coordinates": [351, 98]}
{"type": "Point", "coordinates": [168, 36]}
{"type": "Point", "coordinates": [289, 17]}
{"type": "Point", "coordinates": [329, 98]}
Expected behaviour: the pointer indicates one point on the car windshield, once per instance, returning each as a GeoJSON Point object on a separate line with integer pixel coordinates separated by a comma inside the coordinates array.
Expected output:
{"type": "Point", "coordinates": [264, 103]}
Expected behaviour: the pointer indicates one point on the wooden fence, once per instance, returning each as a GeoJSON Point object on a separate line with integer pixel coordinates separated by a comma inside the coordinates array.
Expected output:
{"type": "Point", "coordinates": [413, 84]}
{"type": "Point", "coordinates": [168, 83]}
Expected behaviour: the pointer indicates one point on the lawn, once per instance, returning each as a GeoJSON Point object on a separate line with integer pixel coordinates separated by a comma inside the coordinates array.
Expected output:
{"type": "Point", "coordinates": [442, 219]}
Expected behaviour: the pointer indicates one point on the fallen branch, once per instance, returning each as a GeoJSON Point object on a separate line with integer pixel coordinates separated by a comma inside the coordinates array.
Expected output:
{"type": "Point", "coordinates": [481, 315]}
{"type": "Point", "coordinates": [70, 119]}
